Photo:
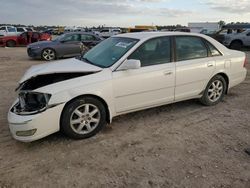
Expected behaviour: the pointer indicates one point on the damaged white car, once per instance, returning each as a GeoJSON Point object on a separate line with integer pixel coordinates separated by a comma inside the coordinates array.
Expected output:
{"type": "Point", "coordinates": [124, 73]}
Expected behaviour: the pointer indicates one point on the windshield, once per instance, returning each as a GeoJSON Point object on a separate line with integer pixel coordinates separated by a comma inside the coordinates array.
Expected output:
{"type": "Point", "coordinates": [109, 51]}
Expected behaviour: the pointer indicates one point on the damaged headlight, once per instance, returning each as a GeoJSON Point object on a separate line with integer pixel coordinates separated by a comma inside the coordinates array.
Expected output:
{"type": "Point", "coordinates": [31, 103]}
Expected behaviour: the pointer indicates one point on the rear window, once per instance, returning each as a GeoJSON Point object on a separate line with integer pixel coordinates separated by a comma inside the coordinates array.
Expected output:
{"type": "Point", "coordinates": [20, 29]}
{"type": "Point", "coordinates": [212, 49]}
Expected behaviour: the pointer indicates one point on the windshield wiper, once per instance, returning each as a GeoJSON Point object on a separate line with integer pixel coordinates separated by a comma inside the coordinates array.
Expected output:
{"type": "Point", "coordinates": [89, 62]}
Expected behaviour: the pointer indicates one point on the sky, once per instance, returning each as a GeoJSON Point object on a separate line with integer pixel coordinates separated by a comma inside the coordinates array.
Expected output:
{"type": "Point", "coordinates": [122, 13]}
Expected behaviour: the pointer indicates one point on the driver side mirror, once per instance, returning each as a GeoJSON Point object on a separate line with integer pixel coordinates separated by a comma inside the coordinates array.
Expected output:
{"type": "Point", "coordinates": [130, 64]}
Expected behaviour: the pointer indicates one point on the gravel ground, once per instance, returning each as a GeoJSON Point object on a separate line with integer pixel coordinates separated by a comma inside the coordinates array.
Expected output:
{"type": "Point", "coordinates": [178, 145]}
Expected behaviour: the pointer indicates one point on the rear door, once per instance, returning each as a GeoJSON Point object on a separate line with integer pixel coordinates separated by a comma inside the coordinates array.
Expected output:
{"type": "Point", "coordinates": [194, 66]}
{"type": "Point", "coordinates": [89, 40]}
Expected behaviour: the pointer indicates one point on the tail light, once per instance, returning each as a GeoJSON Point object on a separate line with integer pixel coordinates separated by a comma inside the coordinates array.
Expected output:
{"type": "Point", "coordinates": [245, 62]}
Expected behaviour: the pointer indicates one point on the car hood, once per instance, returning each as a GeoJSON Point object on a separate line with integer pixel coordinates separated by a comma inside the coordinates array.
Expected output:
{"type": "Point", "coordinates": [62, 66]}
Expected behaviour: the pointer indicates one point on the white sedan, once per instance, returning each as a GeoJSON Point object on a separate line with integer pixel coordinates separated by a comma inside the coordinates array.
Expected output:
{"type": "Point", "coordinates": [122, 74]}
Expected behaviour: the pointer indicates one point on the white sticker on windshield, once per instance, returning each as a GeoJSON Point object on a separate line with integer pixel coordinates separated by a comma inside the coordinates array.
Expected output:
{"type": "Point", "coordinates": [123, 44]}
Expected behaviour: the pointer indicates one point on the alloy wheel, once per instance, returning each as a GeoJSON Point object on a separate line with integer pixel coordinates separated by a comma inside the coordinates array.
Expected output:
{"type": "Point", "coordinates": [48, 54]}
{"type": "Point", "coordinates": [85, 118]}
{"type": "Point", "coordinates": [215, 90]}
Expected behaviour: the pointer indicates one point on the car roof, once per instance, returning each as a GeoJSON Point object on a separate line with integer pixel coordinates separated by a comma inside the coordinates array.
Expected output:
{"type": "Point", "coordinates": [148, 35]}
{"type": "Point", "coordinates": [80, 32]}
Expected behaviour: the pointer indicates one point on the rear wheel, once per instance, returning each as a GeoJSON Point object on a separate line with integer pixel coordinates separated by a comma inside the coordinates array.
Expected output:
{"type": "Point", "coordinates": [10, 43]}
{"type": "Point", "coordinates": [83, 118]}
{"type": "Point", "coordinates": [215, 91]}
{"type": "Point", "coordinates": [48, 54]}
{"type": "Point", "coordinates": [236, 45]}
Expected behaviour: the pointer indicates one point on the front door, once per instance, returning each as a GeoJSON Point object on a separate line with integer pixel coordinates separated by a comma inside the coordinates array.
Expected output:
{"type": "Point", "coordinates": [150, 85]}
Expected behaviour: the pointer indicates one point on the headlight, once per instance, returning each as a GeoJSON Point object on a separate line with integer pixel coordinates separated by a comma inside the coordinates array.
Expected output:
{"type": "Point", "coordinates": [31, 103]}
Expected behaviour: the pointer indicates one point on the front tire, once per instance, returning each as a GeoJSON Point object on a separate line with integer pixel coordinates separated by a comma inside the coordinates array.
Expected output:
{"type": "Point", "coordinates": [48, 54]}
{"type": "Point", "coordinates": [215, 91]}
{"type": "Point", "coordinates": [83, 118]}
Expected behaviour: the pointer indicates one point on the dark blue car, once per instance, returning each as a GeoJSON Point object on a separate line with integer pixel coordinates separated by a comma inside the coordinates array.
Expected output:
{"type": "Point", "coordinates": [66, 45]}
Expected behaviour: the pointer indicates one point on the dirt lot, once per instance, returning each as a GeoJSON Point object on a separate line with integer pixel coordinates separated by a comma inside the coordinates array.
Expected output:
{"type": "Point", "coordinates": [178, 145]}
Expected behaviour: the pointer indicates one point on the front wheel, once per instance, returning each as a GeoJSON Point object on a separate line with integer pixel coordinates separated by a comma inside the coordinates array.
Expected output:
{"type": "Point", "coordinates": [83, 118]}
{"type": "Point", "coordinates": [215, 91]}
{"type": "Point", "coordinates": [48, 54]}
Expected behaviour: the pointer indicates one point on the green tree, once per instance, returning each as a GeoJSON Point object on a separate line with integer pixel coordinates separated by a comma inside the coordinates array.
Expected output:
{"type": "Point", "coordinates": [221, 23]}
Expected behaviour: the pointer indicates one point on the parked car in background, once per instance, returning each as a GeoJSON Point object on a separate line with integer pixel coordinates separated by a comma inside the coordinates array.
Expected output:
{"type": "Point", "coordinates": [58, 31]}
{"type": "Point", "coordinates": [184, 29]}
{"type": "Point", "coordinates": [24, 29]}
{"type": "Point", "coordinates": [237, 40]}
{"type": "Point", "coordinates": [141, 28]}
{"type": "Point", "coordinates": [106, 33]}
{"type": "Point", "coordinates": [48, 31]}
{"type": "Point", "coordinates": [66, 45]}
{"type": "Point", "coordinates": [122, 74]}
{"type": "Point", "coordinates": [8, 30]}
{"type": "Point", "coordinates": [23, 39]}
{"type": "Point", "coordinates": [227, 30]}
{"type": "Point", "coordinates": [79, 29]}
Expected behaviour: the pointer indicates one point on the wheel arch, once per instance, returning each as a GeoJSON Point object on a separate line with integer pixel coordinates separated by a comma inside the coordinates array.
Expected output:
{"type": "Point", "coordinates": [236, 40]}
{"type": "Point", "coordinates": [108, 112]}
{"type": "Point", "coordinates": [10, 40]}
{"type": "Point", "coordinates": [225, 76]}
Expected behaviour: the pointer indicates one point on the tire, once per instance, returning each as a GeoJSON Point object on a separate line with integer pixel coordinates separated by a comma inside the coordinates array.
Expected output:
{"type": "Point", "coordinates": [215, 91]}
{"type": "Point", "coordinates": [10, 43]}
{"type": "Point", "coordinates": [236, 45]}
{"type": "Point", "coordinates": [83, 118]}
{"type": "Point", "coordinates": [48, 54]}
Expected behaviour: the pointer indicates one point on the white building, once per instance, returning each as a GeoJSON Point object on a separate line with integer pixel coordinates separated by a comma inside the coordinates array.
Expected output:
{"type": "Point", "coordinates": [204, 27]}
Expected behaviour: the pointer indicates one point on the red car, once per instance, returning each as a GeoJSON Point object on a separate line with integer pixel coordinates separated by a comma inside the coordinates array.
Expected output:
{"type": "Point", "coordinates": [24, 39]}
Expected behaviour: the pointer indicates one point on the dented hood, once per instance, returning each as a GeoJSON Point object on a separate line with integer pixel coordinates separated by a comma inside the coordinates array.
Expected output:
{"type": "Point", "coordinates": [62, 66]}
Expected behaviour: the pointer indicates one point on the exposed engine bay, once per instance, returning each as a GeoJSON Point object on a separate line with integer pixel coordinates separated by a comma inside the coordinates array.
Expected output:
{"type": "Point", "coordinates": [31, 102]}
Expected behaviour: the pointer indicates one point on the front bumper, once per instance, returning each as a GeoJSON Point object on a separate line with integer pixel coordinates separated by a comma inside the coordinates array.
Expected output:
{"type": "Point", "coordinates": [34, 53]}
{"type": "Point", "coordinates": [37, 126]}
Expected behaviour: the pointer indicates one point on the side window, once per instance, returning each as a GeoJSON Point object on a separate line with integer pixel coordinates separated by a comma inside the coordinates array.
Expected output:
{"type": "Point", "coordinates": [213, 50]}
{"type": "Point", "coordinates": [71, 38]}
{"type": "Point", "coordinates": [87, 38]}
{"type": "Point", "coordinates": [11, 29]}
{"type": "Point", "coordinates": [19, 29]}
{"type": "Point", "coordinates": [190, 48]}
{"type": "Point", "coordinates": [153, 52]}
{"type": "Point", "coordinates": [2, 29]}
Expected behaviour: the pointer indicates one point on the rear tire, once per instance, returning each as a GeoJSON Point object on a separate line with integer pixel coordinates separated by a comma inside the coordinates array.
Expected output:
{"type": "Point", "coordinates": [236, 45]}
{"type": "Point", "coordinates": [10, 43]}
{"type": "Point", "coordinates": [215, 91]}
{"type": "Point", "coordinates": [83, 118]}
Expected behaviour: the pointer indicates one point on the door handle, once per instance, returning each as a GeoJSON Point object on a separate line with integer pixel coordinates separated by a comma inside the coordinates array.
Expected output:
{"type": "Point", "coordinates": [166, 73]}
{"type": "Point", "coordinates": [210, 65]}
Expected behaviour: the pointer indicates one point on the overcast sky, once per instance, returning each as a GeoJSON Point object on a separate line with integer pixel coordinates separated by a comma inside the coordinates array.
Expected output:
{"type": "Point", "coordinates": [122, 12]}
